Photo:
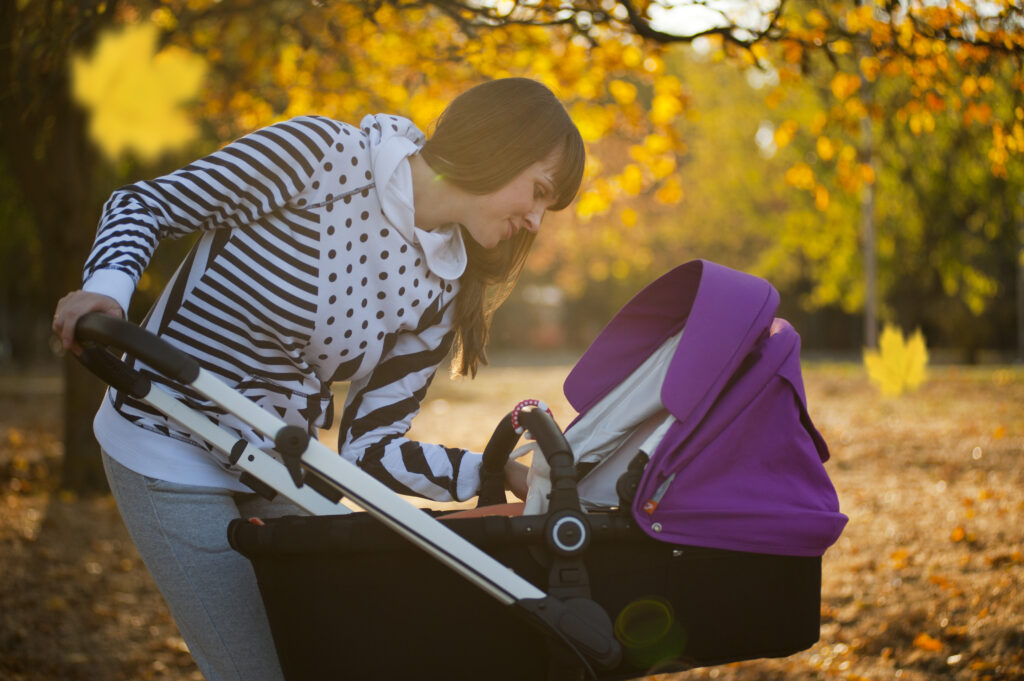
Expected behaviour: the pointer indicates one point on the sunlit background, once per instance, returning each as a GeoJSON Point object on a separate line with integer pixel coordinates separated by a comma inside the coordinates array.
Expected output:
{"type": "Point", "coordinates": [867, 158]}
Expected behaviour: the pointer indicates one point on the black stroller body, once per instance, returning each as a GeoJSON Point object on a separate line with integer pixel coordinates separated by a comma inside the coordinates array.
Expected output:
{"type": "Point", "coordinates": [347, 599]}
{"type": "Point", "coordinates": [556, 595]}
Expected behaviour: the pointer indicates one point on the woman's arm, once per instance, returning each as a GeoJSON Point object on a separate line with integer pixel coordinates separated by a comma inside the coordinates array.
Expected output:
{"type": "Point", "coordinates": [379, 412]}
{"type": "Point", "coordinates": [233, 187]}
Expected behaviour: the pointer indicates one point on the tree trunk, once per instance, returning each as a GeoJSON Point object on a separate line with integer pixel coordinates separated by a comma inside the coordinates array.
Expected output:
{"type": "Point", "coordinates": [83, 470]}
{"type": "Point", "coordinates": [867, 208]}
{"type": "Point", "coordinates": [1020, 279]}
{"type": "Point", "coordinates": [43, 139]}
{"type": "Point", "coordinates": [73, 225]}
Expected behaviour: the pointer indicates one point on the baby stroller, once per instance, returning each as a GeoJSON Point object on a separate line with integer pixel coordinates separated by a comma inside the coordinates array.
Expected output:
{"type": "Point", "coordinates": [705, 548]}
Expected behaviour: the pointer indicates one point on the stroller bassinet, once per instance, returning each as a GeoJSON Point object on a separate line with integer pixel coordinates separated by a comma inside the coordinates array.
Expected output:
{"type": "Point", "coordinates": [349, 600]}
{"type": "Point", "coordinates": [711, 555]}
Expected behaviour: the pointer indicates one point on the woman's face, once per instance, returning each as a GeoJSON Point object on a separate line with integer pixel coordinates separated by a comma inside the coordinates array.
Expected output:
{"type": "Point", "coordinates": [520, 204]}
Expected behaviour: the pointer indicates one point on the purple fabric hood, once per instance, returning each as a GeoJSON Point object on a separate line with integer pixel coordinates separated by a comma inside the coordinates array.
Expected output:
{"type": "Point", "coordinates": [741, 467]}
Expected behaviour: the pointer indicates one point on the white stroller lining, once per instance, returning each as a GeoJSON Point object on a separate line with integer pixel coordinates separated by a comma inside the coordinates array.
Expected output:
{"type": "Point", "coordinates": [630, 418]}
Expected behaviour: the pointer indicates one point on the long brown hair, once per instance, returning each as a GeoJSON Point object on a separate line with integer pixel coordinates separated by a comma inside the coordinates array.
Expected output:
{"type": "Point", "coordinates": [486, 137]}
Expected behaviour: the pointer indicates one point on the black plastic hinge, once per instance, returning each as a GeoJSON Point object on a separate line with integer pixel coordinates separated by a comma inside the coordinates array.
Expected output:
{"type": "Point", "coordinates": [257, 485]}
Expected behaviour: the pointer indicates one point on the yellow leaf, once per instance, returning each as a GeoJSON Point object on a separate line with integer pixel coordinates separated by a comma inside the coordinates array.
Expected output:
{"type": "Point", "coordinates": [593, 121]}
{"type": "Point", "coordinates": [592, 203]}
{"type": "Point", "coordinates": [870, 66]}
{"type": "Point", "coordinates": [632, 56]}
{"type": "Point", "coordinates": [663, 167]}
{"type": "Point", "coordinates": [135, 94]}
{"type": "Point", "coordinates": [657, 144]}
{"type": "Point", "coordinates": [629, 217]}
{"type": "Point", "coordinates": [623, 92]}
{"type": "Point", "coordinates": [665, 108]}
{"type": "Point", "coordinates": [898, 365]}
{"type": "Point", "coordinates": [784, 133]}
{"type": "Point", "coordinates": [826, 149]}
{"type": "Point", "coordinates": [915, 124]}
{"type": "Point", "coordinates": [821, 198]}
{"type": "Point", "coordinates": [671, 192]}
{"type": "Point", "coordinates": [819, 122]}
{"type": "Point", "coordinates": [817, 19]}
{"type": "Point", "coordinates": [14, 437]}
{"type": "Point", "coordinates": [801, 176]}
{"type": "Point", "coordinates": [926, 642]}
{"type": "Point", "coordinates": [632, 180]}
{"type": "Point", "coordinates": [843, 85]}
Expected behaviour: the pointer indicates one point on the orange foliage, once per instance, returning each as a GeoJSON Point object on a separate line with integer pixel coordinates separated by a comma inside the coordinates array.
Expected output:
{"type": "Point", "coordinates": [958, 59]}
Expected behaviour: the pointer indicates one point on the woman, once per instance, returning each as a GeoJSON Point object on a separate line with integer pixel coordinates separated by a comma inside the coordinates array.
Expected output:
{"type": "Point", "coordinates": [329, 253]}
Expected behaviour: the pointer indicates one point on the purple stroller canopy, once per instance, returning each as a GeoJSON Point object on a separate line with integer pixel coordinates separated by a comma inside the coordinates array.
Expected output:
{"type": "Point", "coordinates": [741, 467]}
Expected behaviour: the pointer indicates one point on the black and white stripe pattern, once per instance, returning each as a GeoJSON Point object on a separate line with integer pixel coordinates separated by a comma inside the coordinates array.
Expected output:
{"type": "Point", "coordinates": [298, 280]}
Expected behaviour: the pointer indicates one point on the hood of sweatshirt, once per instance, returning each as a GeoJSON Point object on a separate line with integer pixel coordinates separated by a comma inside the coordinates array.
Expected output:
{"type": "Point", "coordinates": [393, 140]}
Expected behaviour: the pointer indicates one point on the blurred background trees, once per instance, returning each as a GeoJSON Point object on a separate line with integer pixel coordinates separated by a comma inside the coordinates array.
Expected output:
{"type": "Point", "coordinates": [865, 157]}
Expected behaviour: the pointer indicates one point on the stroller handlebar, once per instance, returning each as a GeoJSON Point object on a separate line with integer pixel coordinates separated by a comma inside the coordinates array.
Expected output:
{"type": "Point", "coordinates": [550, 441]}
{"type": "Point", "coordinates": [104, 330]}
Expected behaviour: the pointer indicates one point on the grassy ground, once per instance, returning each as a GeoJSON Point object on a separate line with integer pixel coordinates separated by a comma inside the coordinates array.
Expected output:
{"type": "Point", "coordinates": [927, 582]}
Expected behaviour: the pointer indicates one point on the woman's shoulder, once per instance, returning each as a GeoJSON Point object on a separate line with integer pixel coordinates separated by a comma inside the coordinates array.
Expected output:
{"type": "Point", "coordinates": [338, 153]}
{"type": "Point", "coordinates": [316, 129]}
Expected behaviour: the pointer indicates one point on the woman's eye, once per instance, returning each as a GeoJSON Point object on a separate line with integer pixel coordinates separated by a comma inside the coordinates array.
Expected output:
{"type": "Point", "coordinates": [539, 191]}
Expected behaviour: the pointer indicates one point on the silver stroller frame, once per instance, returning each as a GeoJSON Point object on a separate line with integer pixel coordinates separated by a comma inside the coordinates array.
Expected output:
{"type": "Point", "coordinates": [316, 478]}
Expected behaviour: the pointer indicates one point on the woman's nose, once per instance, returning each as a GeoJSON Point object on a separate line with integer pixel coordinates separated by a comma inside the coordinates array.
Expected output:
{"type": "Point", "coordinates": [533, 218]}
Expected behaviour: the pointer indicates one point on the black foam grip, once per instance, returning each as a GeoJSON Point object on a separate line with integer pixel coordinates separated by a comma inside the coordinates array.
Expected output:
{"type": "Point", "coordinates": [117, 333]}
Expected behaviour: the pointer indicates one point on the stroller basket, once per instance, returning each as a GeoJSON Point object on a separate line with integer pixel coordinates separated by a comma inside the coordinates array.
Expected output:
{"type": "Point", "coordinates": [347, 598]}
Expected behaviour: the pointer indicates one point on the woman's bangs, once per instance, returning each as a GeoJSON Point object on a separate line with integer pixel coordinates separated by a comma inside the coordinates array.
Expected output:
{"type": "Point", "coordinates": [569, 173]}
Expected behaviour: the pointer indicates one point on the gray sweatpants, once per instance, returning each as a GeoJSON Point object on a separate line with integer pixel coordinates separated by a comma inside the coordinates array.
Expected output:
{"type": "Point", "coordinates": [181, 533]}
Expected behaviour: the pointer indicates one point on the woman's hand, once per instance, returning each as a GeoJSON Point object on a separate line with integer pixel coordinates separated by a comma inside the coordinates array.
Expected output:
{"type": "Point", "coordinates": [75, 304]}
{"type": "Point", "coordinates": [515, 479]}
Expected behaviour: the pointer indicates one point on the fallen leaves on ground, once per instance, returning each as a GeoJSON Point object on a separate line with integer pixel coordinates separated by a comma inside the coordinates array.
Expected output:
{"type": "Point", "coordinates": [926, 582]}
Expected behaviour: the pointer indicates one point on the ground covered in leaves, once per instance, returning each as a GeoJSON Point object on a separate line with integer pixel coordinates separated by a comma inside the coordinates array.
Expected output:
{"type": "Point", "coordinates": [927, 582]}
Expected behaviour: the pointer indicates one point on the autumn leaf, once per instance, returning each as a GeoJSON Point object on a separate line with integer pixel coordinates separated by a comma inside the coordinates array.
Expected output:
{"type": "Point", "coordinates": [821, 198]}
{"type": "Point", "coordinates": [670, 192]}
{"type": "Point", "coordinates": [801, 176]}
{"type": "Point", "coordinates": [926, 642]}
{"type": "Point", "coordinates": [15, 438]}
{"type": "Point", "coordinates": [623, 92]}
{"type": "Point", "coordinates": [826, 148]}
{"type": "Point", "coordinates": [135, 94]}
{"type": "Point", "coordinates": [898, 365]}
{"type": "Point", "coordinates": [632, 180]}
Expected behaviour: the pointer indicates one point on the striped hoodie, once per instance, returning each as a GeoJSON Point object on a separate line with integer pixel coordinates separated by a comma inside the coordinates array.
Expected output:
{"type": "Point", "coordinates": [309, 270]}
